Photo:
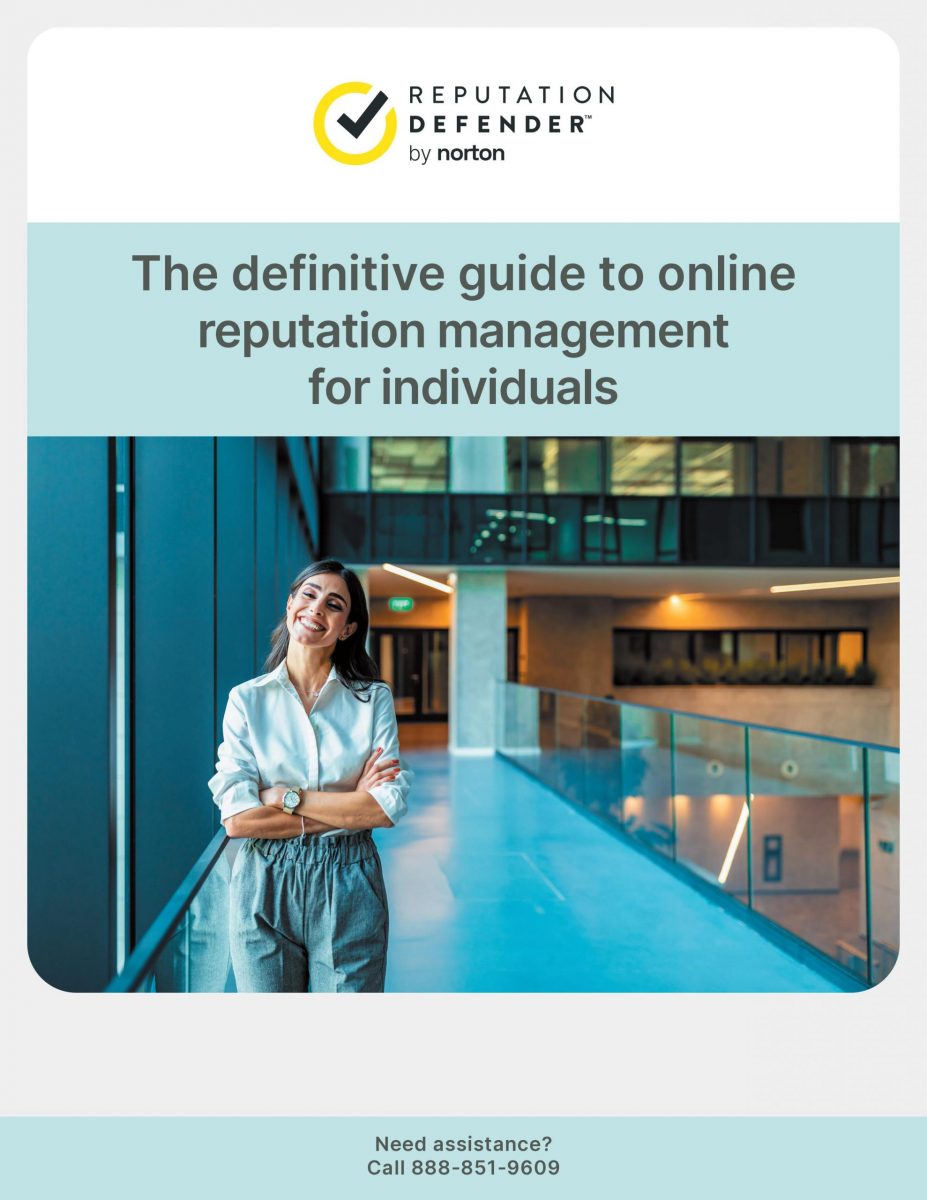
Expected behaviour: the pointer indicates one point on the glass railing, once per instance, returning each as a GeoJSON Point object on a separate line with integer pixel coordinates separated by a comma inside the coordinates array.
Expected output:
{"type": "Point", "coordinates": [502, 529]}
{"type": "Point", "coordinates": [187, 947]}
{"type": "Point", "coordinates": [800, 829]}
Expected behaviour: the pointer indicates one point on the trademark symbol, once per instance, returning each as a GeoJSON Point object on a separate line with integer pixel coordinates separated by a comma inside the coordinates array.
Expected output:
{"type": "Point", "coordinates": [588, 116]}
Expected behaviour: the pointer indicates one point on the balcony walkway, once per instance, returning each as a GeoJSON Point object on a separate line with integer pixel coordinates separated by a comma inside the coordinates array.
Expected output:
{"type": "Point", "coordinates": [497, 885]}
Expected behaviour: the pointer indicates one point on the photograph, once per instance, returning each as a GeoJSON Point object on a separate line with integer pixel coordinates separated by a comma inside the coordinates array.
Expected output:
{"type": "Point", "coordinates": [463, 714]}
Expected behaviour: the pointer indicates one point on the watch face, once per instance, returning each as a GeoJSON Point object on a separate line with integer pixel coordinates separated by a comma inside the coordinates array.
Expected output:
{"type": "Point", "coordinates": [291, 800]}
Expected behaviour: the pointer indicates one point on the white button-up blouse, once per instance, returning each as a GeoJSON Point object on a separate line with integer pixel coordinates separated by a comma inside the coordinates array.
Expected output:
{"type": "Point", "coordinates": [269, 741]}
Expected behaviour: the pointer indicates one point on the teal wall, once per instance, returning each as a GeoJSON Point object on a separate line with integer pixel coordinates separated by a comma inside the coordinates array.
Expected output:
{"type": "Point", "coordinates": [216, 528]}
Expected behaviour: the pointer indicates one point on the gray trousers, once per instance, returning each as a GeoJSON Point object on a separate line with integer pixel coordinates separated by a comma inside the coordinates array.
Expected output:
{"type": "Point", "coordinates": [309, 914]}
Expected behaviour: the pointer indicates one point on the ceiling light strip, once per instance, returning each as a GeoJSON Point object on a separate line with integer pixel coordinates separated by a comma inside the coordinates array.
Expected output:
{"type": "Point", "coordinates": [837, 583]}
{"type": "Point", "coordinates": [433, 583]}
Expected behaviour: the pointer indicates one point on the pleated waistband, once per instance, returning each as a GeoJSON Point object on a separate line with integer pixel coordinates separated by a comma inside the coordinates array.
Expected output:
{"type": "Point", "coordinates": [341, 848]}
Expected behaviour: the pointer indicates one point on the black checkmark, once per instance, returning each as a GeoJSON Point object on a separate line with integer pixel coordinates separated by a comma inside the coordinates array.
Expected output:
{"type": "Point", "coordinates": [356, 128]}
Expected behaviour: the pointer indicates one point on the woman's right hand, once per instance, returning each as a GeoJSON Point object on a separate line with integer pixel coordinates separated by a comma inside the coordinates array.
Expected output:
{"type": "Point", "coordinates": [376, 771]}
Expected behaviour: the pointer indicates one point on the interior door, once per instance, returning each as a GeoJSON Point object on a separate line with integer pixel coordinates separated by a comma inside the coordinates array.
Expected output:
{"type": "Point", "coordinates": [414, 662]}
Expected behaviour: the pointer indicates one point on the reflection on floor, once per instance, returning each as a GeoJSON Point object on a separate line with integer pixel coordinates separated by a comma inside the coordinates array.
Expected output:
{"type": "Point", "coordinates": [497, 885]}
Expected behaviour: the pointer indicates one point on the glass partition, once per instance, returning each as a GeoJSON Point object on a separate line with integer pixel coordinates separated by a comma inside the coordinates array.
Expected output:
{"type": "Point", "coordinates": [865, 468]}
{"type": "Point", "coordinates": [573, 528]}
{"type": "Point", "coordinates": [715, 468]}
{"type": "Point", "coordinates": [802, 830]}
{"type": "Point", "coordinates": [413, 464]}
{"type": "Point", "coordinates": [410, 527]}
{"type": "Point", "coordinates": [710, 797]}
{"type": "Point", "coordinates": [883, 859]}
{"type": "Point", "coordinates": [637, 530]}
{"type": "Point", "coordinates": [560, 466]}
{"type": "Point", "coordinates": [518, 723]}
{"type": "Point", "coordinates": [808, 841]}
{"type": "Point", "coordinates": [645, 800]}
{"type": "Point", "coordinates": [487, 529]}
{"type": "Point", "coordinates": [602, 758]}
{"type": "Point", "coordinates": [196, 958]}
{"type": "Point", "coordinates": [186, 949]}
{"type": "Point", "coordinates": [569, 774]}
{"type": "Point", "coordinates": [790, 466]}
{"type": "Point", "coordinates": [641, 466]}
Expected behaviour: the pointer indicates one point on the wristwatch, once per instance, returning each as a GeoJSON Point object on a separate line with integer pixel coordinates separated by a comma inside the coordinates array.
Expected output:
{"type": "Point", "coordinates": [291, 801]}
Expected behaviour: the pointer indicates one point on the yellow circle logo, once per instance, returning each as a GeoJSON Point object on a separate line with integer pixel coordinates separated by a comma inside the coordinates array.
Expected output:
{"type": "Point", "coordinates": [354, 127]}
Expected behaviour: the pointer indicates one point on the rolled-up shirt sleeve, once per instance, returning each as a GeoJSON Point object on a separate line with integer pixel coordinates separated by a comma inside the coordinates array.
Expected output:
{"type": "Point", "coordinates": [391, 796]}
{"type": "Point", "coordinates": [235, 784]}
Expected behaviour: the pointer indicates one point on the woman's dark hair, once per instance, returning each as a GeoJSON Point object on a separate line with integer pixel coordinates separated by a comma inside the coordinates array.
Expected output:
{"type": "Point", "coordinates": [356, 669]}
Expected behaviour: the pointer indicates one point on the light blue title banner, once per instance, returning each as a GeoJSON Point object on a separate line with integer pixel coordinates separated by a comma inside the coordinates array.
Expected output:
{"type": "Point", "coordinates": [463, 329]}
{"type": "Point", "coordinates": [642, 1159]}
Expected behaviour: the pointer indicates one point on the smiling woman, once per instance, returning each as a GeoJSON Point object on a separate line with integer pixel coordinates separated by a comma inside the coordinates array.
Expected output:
{"type": "Point", "coordinates": [308, 765]}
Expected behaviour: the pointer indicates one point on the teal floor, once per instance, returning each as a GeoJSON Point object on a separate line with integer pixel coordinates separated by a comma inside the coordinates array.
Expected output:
{"type": "Point", "coordinates": [497, 885]}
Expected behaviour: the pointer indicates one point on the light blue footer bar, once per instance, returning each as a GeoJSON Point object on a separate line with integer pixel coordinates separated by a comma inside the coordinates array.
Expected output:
{"type": "Point", "coordinates": [763, 1159]}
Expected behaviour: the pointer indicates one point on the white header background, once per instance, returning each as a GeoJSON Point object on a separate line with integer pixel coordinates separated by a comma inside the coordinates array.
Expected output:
{"type": "Point", "coordinates": [466, 1054]}
{"type": "Point", "coordinates": [706, 125]}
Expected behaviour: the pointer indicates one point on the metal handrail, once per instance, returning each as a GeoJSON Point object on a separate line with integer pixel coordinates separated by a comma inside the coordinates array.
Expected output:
{"type": "Point", "coordinates": [679, 712]}
{"type": "Point", "coordinates": [141, 961]}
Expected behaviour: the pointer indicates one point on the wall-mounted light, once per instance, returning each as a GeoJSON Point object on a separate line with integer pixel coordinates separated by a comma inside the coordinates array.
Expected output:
{"type": "Point", "coordinates": [433, 583]}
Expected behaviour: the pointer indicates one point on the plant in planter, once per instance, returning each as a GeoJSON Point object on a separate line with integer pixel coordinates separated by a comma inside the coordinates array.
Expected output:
{"type": "Point", "coordinates": [666, 671]}
{"type": "Point", "coordinates": [632, 671]}
{"type": "Point", "coordinates": [709, 670]}
{"type": "Point", "coordinates": [794, 673]}
{"type": "Point", "coordinates": [687, 672]}
{"type": "Point", "coordinates": [864, 674]}
{"type": "Point", "coordinates": [818, 674]}
{"type": "Point", "coordinates": [838, 675]}
{"type": "Point", "coordinates": [752, 672]}
{"type": "Point", "coordinates": [729, 671]}
{"type": "Point", "coordinates": [776, 673]}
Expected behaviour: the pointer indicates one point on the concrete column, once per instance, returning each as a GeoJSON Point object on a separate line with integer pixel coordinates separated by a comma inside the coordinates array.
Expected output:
{"type": "Point", "coordinates": [477, 464]}
{"type": "Point", "coordinates": [350, 471]}
{"type": "Point", "coordinates": [477, 659]}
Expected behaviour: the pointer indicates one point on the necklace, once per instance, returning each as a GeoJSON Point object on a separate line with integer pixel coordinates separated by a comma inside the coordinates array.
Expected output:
{"type": "Point", "coordinates": [312, 693]}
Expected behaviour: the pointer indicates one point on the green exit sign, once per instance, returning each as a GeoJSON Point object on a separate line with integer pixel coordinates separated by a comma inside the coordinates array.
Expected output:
{"type": "Point", "coordinates": [401, 604]}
